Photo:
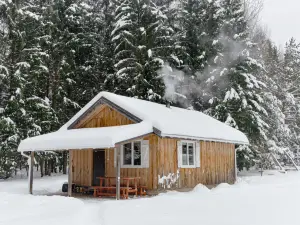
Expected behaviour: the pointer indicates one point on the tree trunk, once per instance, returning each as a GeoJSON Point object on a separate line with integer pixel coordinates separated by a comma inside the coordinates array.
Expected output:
{"type": "Point", "coordinates": [46, 167]}
{"type": "Point", "coordinates": [26, 170]}
{"type": "Point", "coordinates": [54, 169]}
{"type": "Point", "coordinates": [42, 167]}
{"type": "Point", "coordinates": [49, 167]}
{"type": "Point", "coordinates": [64, 167]}
{"type": "Point", "coordinates": [52, 166]}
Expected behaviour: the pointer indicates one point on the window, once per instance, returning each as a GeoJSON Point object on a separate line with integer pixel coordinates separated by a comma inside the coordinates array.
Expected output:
{"type": "Point", "coordinates": [187, 154]}
{"type": "Point", "coordinates": [127, 156]}
{"type": "Point", "coordinates": [137, 153]}
{"type": "Point", "coordinates": [132, 154]}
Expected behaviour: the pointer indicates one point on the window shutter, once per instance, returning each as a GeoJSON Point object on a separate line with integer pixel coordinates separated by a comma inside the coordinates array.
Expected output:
{"type": "Point", "coordinates": [197, 153]}
{"type": "Point", "coordinates": [115, 157]}
{"type": "Point", "coordinates": [179, 153]}
{"type": "Point", "coordinates": [145, 154]}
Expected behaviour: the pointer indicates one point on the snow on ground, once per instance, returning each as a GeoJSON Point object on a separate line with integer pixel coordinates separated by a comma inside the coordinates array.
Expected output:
{"type": "Point", "coordinates": [253, 200]}
{"type": "Point", "coordinates": [42, 186]}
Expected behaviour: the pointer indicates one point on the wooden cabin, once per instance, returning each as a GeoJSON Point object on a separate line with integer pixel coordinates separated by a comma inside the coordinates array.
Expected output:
{"type": "Point", "coordinates": [165, 147]}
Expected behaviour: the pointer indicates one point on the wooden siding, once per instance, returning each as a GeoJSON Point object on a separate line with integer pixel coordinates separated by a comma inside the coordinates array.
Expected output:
{"type": "Point", "coordinates": [82, 167]}
{"type": "Point", "coordinates": [217, 159]}
{"type": "Point", "coordinates": [148, 175]}
{"type": "Point", "coordinates": [217, 164]}
{"type": "Point", "coordinates": [104, 116]}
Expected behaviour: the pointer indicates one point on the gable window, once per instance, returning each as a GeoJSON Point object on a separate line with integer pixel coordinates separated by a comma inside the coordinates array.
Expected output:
{"type": "Point", "coordinates": [188, 154]}
{"type": "Point", "coordinates": [132, 154]}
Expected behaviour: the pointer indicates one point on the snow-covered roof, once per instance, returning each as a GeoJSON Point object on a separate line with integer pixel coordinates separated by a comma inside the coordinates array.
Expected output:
{"type": "Point", "coordinates": [85, 138]}
{"type": "Point", "coordinates": [170, 122]}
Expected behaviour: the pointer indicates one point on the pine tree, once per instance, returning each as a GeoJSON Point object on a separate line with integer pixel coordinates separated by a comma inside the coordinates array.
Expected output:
{"type": "Point", "coordinates": [142, 41]}
{"type": "Point", "coordinates": [86, 33]}
{"type": "Point", "coordinates": [273, 95]}
{"type": "Point", "coordinates": [15, 122]}
{"type": "Point", "coordinates": [290, 82]}
{"type": "Point", "coordinates": [70, 39]}
{"type": "Point", "coordinates": [235, 83]}
{"type": "Point", "coordinates": [199, 24]}
{"type": "Point", "coordinates": [51, 64]}
{"type": "Point", "coordinates": [280, 101]}
{"type": "Point", "coordinates": [105, 56]}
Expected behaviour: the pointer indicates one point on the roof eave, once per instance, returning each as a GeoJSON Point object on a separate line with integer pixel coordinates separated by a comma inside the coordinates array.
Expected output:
{"type": "Point", "coordinates": [205, 139]}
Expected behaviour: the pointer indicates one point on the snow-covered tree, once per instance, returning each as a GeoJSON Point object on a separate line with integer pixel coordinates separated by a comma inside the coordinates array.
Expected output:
{"type": "Point", "coordinates": [290, 83]}
{"type": "Point", "coordinates": [13, 118]}
{"type": "Point", "coordinates": [235, 82]}
{"type": "Point", "coordinates": [56, 55]}
{"type": "Point", "coordinates": [280, 97]}
{"type": "Point", "coordinates": [277, 133]}
{"type": "Point", "coordinates": [198, 28]}
{"type": "Point", "coordinates": [142, 45]}
{"type": "Point", "coordinates": [23, 114]}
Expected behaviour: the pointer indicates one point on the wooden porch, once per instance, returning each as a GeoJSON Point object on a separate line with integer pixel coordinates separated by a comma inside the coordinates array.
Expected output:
{"type": "Point", "coordinates": [84, 173]}
{"type": "Point", "coordinates": [107, 188]}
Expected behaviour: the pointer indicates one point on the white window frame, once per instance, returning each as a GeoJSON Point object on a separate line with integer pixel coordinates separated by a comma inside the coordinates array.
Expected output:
{"type": "Point", "coordinates": [132, 158]}
{"type": "Point", "coordinates": [194, 153]}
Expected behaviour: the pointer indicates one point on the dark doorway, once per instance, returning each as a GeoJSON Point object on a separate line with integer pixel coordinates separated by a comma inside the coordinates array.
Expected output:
{"type": "Point", "coordinates": [99, 166]}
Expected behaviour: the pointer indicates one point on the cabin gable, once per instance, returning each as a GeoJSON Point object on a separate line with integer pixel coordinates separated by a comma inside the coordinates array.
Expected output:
{"type": "Point", "coordinates": [103, 116]}
{"type": "Point", "coordinates": [95, 111]}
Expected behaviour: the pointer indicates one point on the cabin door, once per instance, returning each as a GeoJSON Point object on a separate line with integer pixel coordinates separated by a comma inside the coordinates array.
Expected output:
{"type": "Point", "coordinates": [98, 165]}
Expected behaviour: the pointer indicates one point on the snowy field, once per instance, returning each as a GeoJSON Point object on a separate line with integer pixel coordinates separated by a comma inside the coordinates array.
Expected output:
{"type": "Point", "coordinates": [253, 200]}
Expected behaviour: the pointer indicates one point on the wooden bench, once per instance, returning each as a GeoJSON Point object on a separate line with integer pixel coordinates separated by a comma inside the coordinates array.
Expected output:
{"type": "Point", "coordinates": [106, 188]}
{"type": "Point", "coordinates": [142, 190]}
{"type": "Point", "coordinates": [111, 191]}
{"type": "Point", "coordinates": [129, 189]}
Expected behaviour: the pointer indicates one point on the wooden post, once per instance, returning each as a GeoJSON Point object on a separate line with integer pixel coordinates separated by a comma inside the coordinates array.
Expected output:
{"type": "Point", "coordinates": [235, 166]}
{"type": "Point", "coordinates": [118, 172]}
{"type": "Point", "coordinates": [31, 172]}
{"type": "Point", "coordinates": [70, 174]}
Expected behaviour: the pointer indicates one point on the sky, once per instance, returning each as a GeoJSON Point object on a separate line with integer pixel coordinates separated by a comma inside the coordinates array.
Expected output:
{"type": "Point", "coordinates": [283, 19]}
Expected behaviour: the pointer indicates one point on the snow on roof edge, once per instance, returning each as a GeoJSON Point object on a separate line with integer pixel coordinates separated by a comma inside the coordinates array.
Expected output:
{"type": "Point", "coordinates": [205, 139]}
{"type": "Point", "coordinates": [85, 138]}
{"type": "Point", "coordinates": [63, 149]}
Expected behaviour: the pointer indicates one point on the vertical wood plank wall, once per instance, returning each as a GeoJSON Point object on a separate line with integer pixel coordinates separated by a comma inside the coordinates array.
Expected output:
{"type": "Point", "coordinates": [217, 159]}
{"type": "Point", "coordinates": [217, 164]}
{"type": "Point", "coordinates": [82, 167]}
{"type": "Point", "coordinates": [148, 175]}
{"type": "Point", "coordinates": [105, 117]}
